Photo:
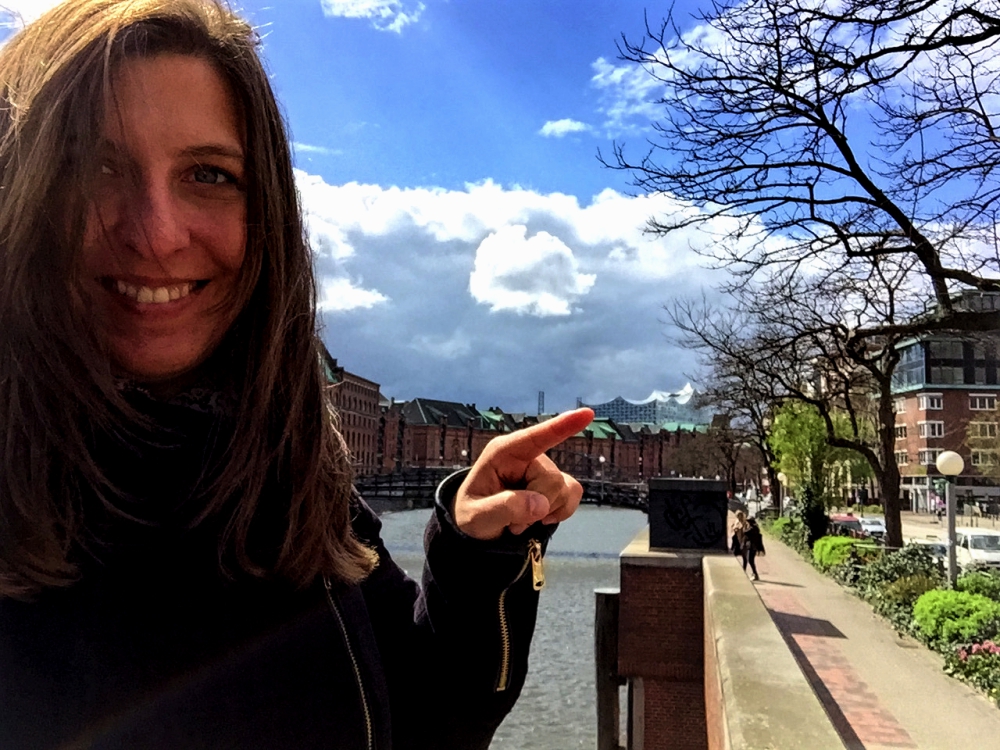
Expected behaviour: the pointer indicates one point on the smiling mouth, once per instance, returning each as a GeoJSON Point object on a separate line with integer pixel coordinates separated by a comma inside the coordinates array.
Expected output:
{"type": "Point", "coordinates": [153, 295]}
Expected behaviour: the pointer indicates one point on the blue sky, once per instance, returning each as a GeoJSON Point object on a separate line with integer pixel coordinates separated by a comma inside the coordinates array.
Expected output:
{"type": "Point", "coordinates": [468, 243]}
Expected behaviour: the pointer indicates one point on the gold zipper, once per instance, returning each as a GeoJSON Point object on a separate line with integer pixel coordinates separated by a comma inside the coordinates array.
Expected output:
{"type": "Point", "coordinates": [537, 568]}
{"type": "Point", "coordinates": [354, 663]}
{"type": "Point", "coordinates": [534, 559]}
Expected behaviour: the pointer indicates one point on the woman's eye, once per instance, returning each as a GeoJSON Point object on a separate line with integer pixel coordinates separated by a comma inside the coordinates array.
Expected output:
{"type": "Point", "coordinates": [212, 176]}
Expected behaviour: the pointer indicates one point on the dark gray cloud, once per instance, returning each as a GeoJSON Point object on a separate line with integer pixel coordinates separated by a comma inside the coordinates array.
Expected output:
{"type": "Point", "coordinates": [489, 295]}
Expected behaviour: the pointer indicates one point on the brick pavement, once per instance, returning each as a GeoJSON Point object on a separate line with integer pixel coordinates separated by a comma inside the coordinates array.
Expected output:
{"type": "Point", "coordinates": [881, 690]}
{"type": "Point", "coordinates": [856, 712]}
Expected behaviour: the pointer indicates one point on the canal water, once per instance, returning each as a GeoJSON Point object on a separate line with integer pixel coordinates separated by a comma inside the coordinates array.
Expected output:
{"type": "Point", "coordinates": [556, 710]}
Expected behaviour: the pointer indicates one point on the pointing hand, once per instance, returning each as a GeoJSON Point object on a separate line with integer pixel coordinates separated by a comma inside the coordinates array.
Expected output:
{"type": "Point", "coordinates": [513, 484]}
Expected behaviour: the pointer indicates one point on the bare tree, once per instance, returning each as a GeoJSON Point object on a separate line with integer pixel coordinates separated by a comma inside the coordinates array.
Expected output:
{"type": "Point", "coordinates": [846, 157]}
{"type": "Point", "coordinates": [813, 342]}
{"type": "Point", "coordinates": [819, 140]}
{"type": "Point", "coordinates": [735, 387]}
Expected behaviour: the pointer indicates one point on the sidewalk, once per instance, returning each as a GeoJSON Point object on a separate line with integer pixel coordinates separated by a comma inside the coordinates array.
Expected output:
{"type": "Point", "coordinates": [881, 691]}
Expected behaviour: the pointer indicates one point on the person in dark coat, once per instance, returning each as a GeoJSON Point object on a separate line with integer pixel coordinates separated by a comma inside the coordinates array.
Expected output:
{"type": "Point", "coordinates": [183, 560]}
{"type": "Point", "coordinates": [752, 546]}
{"type": "Point", "coordinates": [738, 540]}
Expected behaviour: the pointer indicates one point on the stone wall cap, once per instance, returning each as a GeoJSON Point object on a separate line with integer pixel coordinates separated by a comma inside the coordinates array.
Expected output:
{"type": "Point", "coordinates": [638, 552]}
{"type": "Point", "coordinates": [767, 702]}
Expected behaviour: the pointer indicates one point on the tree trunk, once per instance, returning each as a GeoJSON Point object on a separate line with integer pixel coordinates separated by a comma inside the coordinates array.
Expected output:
{"type": "Point", "coordinates": [891, 504]}
{"type": "Point", "coordinates": [777, 491]}
{"type": "Point", "coordinates": [888, 473]}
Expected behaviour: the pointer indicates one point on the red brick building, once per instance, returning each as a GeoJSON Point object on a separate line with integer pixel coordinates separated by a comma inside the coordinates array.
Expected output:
{"type": "Point", "coordinates": [385, 436]}
{"type": "Point", "coordinates": [356, 401]}
{"type": "Point", "coordinates": [947, 390]}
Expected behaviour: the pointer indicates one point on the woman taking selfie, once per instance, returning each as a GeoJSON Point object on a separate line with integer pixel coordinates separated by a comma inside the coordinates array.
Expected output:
{"type": "Point", "coordinates": [183, 562]}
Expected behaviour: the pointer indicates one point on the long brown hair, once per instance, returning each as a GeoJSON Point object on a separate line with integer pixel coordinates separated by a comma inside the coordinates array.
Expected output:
{"type": "Point", "coordinates": [57, 385]}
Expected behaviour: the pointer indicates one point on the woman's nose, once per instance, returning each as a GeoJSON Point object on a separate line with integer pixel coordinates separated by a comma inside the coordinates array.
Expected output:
{"type": "Point", "coordinates": [155, 222]}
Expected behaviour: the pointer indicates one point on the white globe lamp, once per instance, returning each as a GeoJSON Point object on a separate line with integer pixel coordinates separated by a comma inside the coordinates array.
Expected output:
{"type": "Point", "coordinates": [950, 464]}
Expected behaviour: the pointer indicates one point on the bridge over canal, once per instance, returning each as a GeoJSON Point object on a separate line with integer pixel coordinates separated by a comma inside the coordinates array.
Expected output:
{"type": "Point", "coordinates": [414, 488]}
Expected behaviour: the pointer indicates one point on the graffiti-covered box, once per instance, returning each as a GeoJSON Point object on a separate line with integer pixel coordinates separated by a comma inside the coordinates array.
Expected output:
{"type": "Point", "coordinates": [687, 513]}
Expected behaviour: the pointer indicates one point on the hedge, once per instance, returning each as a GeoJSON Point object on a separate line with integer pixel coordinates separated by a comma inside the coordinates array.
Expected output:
{"type": "Point", "coordinates": [830, 551]}
{"type": "Point", "coordinates": [944, 617]}
{"type": "Point", "coordinates": [980, 582]}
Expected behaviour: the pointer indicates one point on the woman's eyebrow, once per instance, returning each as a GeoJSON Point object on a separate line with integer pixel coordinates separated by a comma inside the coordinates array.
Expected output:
{"type": "Point", "coordinates": [214, 149]}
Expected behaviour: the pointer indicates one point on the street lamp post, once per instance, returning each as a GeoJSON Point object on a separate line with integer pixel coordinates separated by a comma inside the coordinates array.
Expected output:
{"type": "Point", "coordinates": [950, 464]}
{"type": "Point", "coordinates": [601, 461]}
{"type": "Point", "coordinates": [782, 478]}
{"type": "Point", "coordinates": [465, 457]}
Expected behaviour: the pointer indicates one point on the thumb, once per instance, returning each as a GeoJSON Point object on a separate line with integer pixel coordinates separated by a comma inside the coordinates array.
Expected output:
{"type": "Point", "coordinates": [486, 517]}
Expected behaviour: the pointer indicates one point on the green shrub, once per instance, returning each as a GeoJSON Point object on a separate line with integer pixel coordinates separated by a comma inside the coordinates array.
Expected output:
{"type": "Point", "coordinates": [944, 617]}
{"type": "Point", "coordinates": [779, 525]}
{"type": "Point", "coordinates": [980, 582]}
{"type": "Point", "coordinates": [978, 664]}
{"type": "Point", "coordinates": [912, 560]}
{"type": "Point", "coordinates": [830, 551]}
{"type": "Point", "coordinates": [896, 601]}
{"type": "Point", "coordinates": [791, 531]}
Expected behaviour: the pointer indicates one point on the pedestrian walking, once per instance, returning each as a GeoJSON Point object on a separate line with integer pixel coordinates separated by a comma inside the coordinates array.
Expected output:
{"type": "Point", "coordinates": [739, 530]}
{"type": "Point", "coordinates": [753, 544]}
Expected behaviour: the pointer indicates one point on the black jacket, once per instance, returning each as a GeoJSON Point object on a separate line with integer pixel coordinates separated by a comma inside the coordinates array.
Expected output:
{"type": "Point", "coordinates": [754, 540]}
{"type": "Point", "coordinates": [154, 650]}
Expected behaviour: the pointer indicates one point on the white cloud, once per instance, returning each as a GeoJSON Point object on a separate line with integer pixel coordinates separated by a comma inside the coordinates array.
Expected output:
{"type": "Point", "coordinates": [308, 148]}
{"type": "Point", "coordinates": [628, 93]}
{"type": "Point", "coordinates": [490, 294]}
{"type": "Point", "coordinates": [15, 13]}
{"type": "Point", "coordinates": [560, 128]}
{"type": "Point", "coordinates": [535, 275]}
{"type": "Point", "coordinates": [338, 294]}
{"type": "Point", "coordinates": [385, 15]}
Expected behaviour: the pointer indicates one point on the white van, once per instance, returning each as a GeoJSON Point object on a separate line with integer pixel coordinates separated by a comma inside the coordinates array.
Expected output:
{"type": "Point", "coordinates": [981, 546]}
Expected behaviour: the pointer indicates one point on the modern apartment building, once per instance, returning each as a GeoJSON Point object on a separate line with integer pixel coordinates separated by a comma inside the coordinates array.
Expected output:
{"type": "Point", "coordinates": [946, 399]}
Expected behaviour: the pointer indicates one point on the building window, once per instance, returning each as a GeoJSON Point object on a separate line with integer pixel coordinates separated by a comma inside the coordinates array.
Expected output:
{"type": "Point", "coordinates": [941, 375]}
{"type": "Point", "coordinates": [945, 349]}
{"type": "Point", "coordinates": [930, 402]}
{"type": "Point", "coordinates": [900, 431]}
{"type": "Point", "coordinates": [931, 429]}
{"type": "Point", "coordinates": [984, 458]}
{"type": "Point", "coordinates": [979, 402]}
{"type": "Point", "coordinates": [899, 405]}
{"type": "Point", "coordinates": [902, 458]}
{"type": "Point", "coordinates": [910, 370]}
{"type": "Point", "coordinates": [982, 429]}
{"type": "Point", "coordinates": [929, 456]}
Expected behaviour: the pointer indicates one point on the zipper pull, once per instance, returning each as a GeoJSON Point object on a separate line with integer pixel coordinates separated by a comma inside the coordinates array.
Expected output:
{"type": "Point", "coordinates": [537, 569]}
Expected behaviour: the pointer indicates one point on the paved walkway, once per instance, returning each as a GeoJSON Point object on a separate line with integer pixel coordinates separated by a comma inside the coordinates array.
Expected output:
{"type": "Point", "coordinates": [881, 691]}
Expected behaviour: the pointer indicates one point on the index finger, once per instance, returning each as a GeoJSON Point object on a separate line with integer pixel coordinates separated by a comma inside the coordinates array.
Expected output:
{"type": "Point", "coordinates": [527, 444]}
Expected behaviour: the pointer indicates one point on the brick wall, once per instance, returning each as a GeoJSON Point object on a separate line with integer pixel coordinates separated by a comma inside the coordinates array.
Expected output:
{"type": "Point", "coordinates": [660, 639]}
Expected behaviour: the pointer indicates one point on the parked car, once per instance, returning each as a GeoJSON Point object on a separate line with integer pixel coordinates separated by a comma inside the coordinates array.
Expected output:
{"type": "Point", "coordinates": [977, 546]}
{"type": "Point", "coordinates": [937, 549]}
{"type": "Point", "coordinates": [873, 526]}
{"type": "Point", "coordinates": [846, 524]}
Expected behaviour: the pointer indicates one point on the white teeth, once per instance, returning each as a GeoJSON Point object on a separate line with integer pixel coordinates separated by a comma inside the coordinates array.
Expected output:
{"type": "Point", "coordinates": [145, 295]}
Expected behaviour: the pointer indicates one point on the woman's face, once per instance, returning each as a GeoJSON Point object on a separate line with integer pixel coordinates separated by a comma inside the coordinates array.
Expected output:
{"type": "Point", "coordinates": [166, 229]}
